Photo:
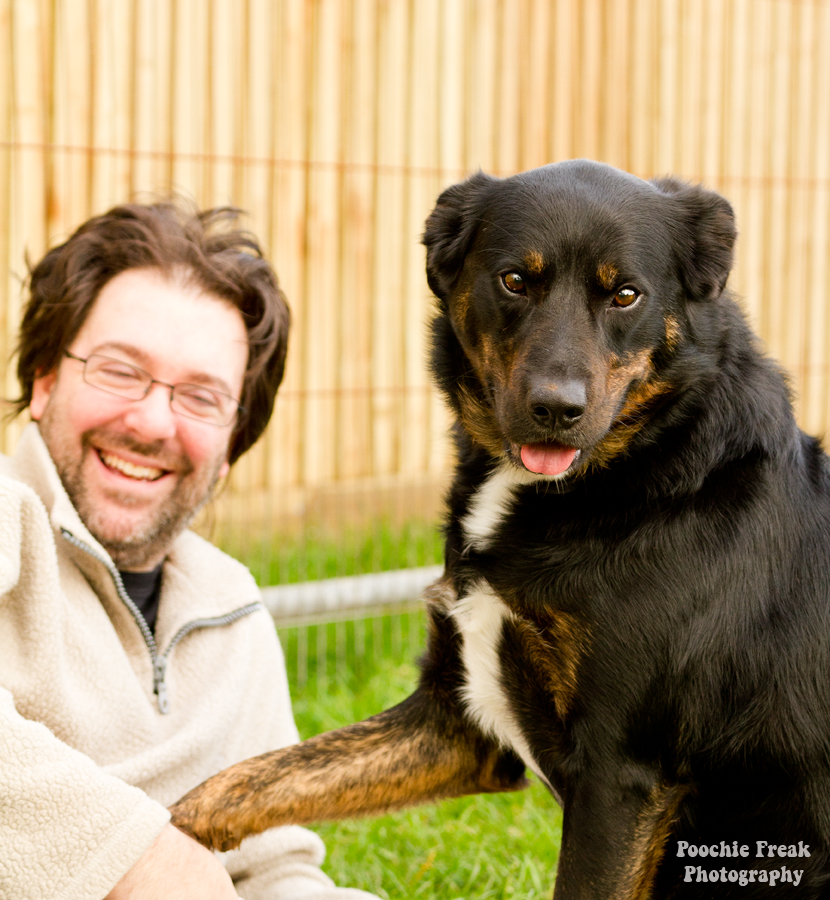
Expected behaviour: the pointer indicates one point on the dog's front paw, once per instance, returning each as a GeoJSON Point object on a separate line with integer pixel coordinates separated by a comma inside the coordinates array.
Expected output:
{"type": "Point", "coordinates": [200, 815]}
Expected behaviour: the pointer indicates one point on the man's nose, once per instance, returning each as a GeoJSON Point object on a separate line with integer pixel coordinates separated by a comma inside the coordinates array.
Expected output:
{"type": "Point", "coordinates": [152, 417]}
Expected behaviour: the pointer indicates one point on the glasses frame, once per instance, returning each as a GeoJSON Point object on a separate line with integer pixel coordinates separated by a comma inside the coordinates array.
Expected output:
{"type": "Point", "coordinates": [238, 411]}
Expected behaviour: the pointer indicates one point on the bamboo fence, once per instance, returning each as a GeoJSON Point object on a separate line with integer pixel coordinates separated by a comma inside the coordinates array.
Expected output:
{"type": "Point", "coordinates": [335, 124]}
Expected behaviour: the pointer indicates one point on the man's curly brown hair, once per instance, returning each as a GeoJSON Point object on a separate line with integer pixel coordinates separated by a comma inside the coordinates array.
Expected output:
{"type": "Point", "coordinates": [207, 247]}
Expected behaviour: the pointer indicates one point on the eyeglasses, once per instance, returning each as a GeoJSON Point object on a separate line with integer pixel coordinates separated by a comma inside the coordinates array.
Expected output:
{"type": "Point", "coordinates": [193, 401]}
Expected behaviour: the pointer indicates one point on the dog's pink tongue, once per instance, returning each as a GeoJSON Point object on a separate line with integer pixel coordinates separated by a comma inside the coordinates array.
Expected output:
{"type": "Point", "coordinates": [547, 459]}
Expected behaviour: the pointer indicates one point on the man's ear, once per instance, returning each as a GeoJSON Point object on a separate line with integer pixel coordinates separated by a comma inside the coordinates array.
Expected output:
{"type": "Point", "coordinates": [703, 234]}
{"type": "Point", "coordinates": [41, 391]}
{"type": "Point", "coordinates": [449, 231]}
{"type": "Point", "coordinates": [224, 469]}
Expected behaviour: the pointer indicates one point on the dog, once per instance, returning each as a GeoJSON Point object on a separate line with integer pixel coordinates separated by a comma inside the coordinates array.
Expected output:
{"type": "Point", "coordinates": [636, 597]}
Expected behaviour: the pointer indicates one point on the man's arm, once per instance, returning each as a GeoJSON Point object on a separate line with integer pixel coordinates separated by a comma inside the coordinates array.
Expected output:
{"type": "Point", "coordinates": [175, 865]}
{"type": "Point", "coordinates": [66, 827]}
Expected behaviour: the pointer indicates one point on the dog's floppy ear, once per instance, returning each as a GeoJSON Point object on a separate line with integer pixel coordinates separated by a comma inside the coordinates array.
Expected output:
{"type": "Point", "coordinates": [450, 229]}
{"type": "Point", "coordinates": [703, 235]}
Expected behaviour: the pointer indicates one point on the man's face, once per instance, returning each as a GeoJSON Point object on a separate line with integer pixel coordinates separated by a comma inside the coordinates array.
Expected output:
{"type": "Point", "coordinates": [136, 471]}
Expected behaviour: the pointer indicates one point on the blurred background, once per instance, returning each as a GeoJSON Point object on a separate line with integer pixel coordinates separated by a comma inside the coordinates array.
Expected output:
{"type": "Point", "coordinates": [335, 124]}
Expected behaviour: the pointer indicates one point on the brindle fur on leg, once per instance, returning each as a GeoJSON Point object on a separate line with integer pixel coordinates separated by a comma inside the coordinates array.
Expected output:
{"type": "Point", "coordinates": [652, 834]}
{"type": "Point", "coordinates": [407, 755]}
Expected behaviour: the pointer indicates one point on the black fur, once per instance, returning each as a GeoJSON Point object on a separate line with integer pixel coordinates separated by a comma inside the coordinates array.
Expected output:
{"type": "Point", "coordinates": [664, 642]}
{"type": "Point", "coordinates": [692, 555]}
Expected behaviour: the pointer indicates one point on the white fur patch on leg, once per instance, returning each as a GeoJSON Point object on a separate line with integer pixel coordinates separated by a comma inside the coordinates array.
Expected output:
{"type": "Point", "coordinates": [480, 617]}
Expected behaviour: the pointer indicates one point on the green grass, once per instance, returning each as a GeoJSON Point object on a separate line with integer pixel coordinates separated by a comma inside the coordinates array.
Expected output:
{"type": "Point", "coordinates": [493, 847]}
{"type": "Point", "coordinates": [317, 553]}
{"type": "Point", "coordinates": [489, 846]}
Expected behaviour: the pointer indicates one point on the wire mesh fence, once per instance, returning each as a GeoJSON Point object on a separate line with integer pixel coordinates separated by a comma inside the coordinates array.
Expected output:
{"type": "Point", "coordinates": [335, 631]}
{"type": "Point", "coordinates": [328, 656]}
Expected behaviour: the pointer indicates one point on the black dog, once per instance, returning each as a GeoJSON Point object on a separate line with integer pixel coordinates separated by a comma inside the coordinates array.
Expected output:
{"type": "Point", "coordinates": [636, 602]}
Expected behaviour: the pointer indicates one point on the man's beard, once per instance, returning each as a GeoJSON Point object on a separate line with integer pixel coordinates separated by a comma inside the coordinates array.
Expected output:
{"type": "Point", "coordinates": [150, 539]}
{"type": "Point", "coordinates": [154, 537]}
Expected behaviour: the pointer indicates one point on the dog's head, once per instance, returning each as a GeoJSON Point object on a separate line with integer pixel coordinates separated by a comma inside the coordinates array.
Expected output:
{"type": "Point", "coordinates": [564, 294]}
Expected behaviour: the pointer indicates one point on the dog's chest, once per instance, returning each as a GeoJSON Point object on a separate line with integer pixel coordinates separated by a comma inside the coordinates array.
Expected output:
{"type": "Point", "coordinates": [481, 617]}
{"type": "Point", "coordinates": [491, 504]}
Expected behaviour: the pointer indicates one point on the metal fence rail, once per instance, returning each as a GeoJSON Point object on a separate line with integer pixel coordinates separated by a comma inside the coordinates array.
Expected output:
{"type": "Point", "coordinates": [335, 628]}
{"type": "Point", "coordinates": [355, 596]}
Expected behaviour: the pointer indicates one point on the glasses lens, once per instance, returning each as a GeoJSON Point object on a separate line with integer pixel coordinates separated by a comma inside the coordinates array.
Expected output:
{"type": "Point", "coordinates": [116, 377]}
{"type": "Point", "coordinates": [203, 404]}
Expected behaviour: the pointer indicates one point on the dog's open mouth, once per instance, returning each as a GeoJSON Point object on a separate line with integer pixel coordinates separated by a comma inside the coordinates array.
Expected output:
{"type": "Point", "coordinates": [548, 459]}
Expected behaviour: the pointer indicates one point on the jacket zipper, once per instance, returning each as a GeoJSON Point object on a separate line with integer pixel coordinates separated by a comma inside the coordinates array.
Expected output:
{"type": "Point", "coordinates": [159, 660]}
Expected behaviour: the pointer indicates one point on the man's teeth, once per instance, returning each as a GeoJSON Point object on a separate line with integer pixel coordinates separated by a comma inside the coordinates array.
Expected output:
{"type": "Point", "coordinates": [143, 473]}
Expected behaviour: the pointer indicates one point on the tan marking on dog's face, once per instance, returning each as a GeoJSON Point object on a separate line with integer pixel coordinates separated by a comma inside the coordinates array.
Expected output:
{"type": "Point", "coordinates": [479, 421]}
{"type": "Point", "coordinates": [498, 364]}
{"type": "Point", "coordinates": [534, 262]}
{"type": "Point", "coordinates": [629, 423]}
{"type": "Point", "coordinates": [489, 363]}
{"type": "Point", "coordinates": [460, 308]}
{"type": "Point", "coordinates": [653, 830]}
{"type": "Point", "coordinates": [486, 357]}
{"type": "Point", "coordinates": [634, 415]}
{"type": "Point", "coordinates": [673, 332]}
{"type": "Point", "coordinates": [607, 275]}
{"type": "Point", "coordinates": [491, 360]}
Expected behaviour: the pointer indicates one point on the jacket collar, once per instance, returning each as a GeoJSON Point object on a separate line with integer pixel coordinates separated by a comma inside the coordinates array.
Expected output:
{"type": "Point", "coordinates": [35, 467]}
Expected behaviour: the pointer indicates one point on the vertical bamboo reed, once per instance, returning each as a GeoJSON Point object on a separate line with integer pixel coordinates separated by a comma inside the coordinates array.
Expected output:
{"type": "Point", "coordinates": [336, 123]}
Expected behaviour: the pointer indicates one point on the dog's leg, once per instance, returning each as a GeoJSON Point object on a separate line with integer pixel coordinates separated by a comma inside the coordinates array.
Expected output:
{"type": "Point", "coordinates": [614, 836]}
{"type": "Point", "coordinates": [418, 751]}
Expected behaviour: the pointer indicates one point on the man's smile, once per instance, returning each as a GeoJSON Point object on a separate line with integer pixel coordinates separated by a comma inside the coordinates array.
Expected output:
{"type": "Point", "coordinates": [128, 469]}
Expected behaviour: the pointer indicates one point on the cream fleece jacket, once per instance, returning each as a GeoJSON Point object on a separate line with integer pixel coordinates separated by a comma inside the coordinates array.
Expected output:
{"type": "Point", "coordinates": [88, 761]}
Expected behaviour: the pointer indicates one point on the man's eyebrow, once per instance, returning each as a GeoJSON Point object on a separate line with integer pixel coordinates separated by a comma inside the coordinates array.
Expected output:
{"type": "Point", "coordinates": [145, 361]}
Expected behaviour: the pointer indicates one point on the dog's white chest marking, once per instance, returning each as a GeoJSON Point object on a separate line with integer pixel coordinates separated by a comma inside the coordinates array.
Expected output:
{"type": "Point", "coordinates": [480, 617]}
{"type": "Point", "coordinates": [492, 502]}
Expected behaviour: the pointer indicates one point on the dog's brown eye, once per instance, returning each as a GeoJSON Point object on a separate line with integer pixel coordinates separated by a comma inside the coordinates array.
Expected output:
{"type": "Point", "coordinates": [514, 283]}
{"type": "Point", "coordinates": [626, 296]}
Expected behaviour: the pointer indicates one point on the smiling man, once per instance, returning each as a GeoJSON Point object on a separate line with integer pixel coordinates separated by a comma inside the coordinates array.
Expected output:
{"type": "Point", "coordinates": [137, 471]}
{"type": "Point", "coordinates": [135, 658]}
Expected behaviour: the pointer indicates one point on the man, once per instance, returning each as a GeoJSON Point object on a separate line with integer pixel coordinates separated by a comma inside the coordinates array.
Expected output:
{"type": "Point", "coordinates": [135, 658]}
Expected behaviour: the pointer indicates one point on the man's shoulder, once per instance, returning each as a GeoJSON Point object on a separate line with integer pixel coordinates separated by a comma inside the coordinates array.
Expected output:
{"type": "Point", "coordinates": [8, 468]}
{"type": "Point", "coordinates": [25, 534]}
{"type": "Point", "coordinates": [192, 546]}
{"type": "Point", "coordinates": [16, 494]}
{"type": "Point", "coordinates": [32, 465]}
{"type": "Point", "coordinates": [14, 491]}
{"type": "Point", "coordinates": [212, 571]}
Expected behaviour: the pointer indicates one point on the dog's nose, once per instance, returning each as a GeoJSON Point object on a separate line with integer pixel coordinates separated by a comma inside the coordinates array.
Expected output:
{"type": "Point", "coordinates": [557, 404]}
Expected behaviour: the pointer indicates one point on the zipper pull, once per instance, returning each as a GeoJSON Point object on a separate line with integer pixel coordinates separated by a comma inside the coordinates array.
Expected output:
{"type": "Point", "coordinates": [160, 685]}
